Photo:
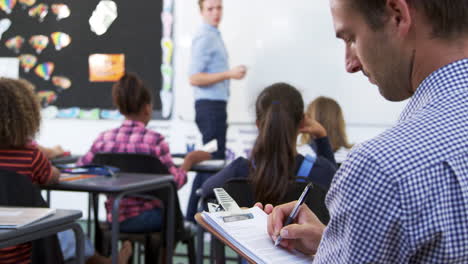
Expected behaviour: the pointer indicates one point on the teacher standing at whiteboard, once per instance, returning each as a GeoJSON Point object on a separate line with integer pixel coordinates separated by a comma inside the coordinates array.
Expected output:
{"type": "Point", "coordinates": [210, 76]}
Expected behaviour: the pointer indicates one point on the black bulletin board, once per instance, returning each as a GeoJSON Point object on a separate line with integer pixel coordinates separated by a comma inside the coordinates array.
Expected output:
{"type": "Point", "coordinates": [136, 33]}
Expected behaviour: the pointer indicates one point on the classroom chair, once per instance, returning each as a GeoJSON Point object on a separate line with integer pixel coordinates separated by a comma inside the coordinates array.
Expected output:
{"type": "Point", "coordinates": [18, 190]}
{"type": "Point", "coordinates": [243, 193]}
{"type": "Point", "coordinates": [143, 163]}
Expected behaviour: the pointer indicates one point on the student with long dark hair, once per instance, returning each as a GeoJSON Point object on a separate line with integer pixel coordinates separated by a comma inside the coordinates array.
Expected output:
{"type": "Point", "coordinates": [274, 160]}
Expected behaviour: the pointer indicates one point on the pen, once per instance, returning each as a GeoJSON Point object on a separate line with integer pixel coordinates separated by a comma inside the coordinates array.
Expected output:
{"type": "Point", "coordinates": [295, 210]}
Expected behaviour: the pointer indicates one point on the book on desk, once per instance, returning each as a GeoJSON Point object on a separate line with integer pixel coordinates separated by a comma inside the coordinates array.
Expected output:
{"type": "Point", "coordinates": [16, 217]}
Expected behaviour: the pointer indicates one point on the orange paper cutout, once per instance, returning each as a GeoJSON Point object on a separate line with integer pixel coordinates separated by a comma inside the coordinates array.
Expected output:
{"type": "Point", "coordinates": [106, 67]}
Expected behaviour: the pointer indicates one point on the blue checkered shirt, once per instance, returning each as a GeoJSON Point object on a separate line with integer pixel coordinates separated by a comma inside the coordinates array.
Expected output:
{"type": "Point", "coordinates": [209, 55]}
{"type": "Point", "coordinates": [402, 197]}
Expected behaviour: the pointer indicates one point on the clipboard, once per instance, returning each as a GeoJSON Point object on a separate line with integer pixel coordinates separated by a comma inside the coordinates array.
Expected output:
{"type": "Point", "coordinates": [209, 228]}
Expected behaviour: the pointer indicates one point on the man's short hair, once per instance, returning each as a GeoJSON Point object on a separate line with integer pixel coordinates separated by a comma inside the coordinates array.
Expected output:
{"type": "Point", "coordinates": [448, 18]}
{"type": "Point", "coordinates": [200, 4]}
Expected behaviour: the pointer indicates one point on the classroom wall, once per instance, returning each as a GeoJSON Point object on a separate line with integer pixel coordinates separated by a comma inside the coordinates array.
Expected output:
{"type": "Point", "coordinates": [366, 113]}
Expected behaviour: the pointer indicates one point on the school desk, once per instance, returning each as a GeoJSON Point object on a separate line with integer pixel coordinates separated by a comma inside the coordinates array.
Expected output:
{"type": "Point", "coordinates": [60, 221]}
{"type": "Point", "coordinates": [124, 184]}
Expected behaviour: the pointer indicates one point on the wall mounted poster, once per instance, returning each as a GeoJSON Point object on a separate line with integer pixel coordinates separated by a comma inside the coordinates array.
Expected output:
{"type": "Point", "coordinates": [106, 67]}
{"type": "Point", "coordinates": [53, 40]}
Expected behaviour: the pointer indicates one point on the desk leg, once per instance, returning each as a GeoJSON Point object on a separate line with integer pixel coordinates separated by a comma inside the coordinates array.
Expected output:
{"type": "Point", "coordinates": [115, 227]}
{"type": "Point", "coordinates": [169, 222]}
{"type": "Point", "coordinates": [48, 197]}
{"type": "Point", "coordinates": [200, 245]}
{"type": "Point", "coordinates": [218, 250]}
{"type": "Point", "coordinates": [79, 237]}
{"type": "Point", "coordinates": [88, 227]}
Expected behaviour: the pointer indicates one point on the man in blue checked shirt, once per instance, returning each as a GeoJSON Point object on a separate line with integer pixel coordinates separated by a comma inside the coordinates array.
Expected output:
{"type": "Point", "coordinates": [210, 75]}
{"type": "Point", "coordinates": [401, 197]}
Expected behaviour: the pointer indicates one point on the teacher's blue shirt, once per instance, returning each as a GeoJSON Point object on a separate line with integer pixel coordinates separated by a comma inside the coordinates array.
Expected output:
{"type": "Point", "coordinates": [209, 56]}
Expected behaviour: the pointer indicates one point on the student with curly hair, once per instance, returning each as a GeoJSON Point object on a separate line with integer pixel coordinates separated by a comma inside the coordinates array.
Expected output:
{"type": "Point", "coordinates": [50, 152]}
{"type": "Point", "coordinates": [20, 120]}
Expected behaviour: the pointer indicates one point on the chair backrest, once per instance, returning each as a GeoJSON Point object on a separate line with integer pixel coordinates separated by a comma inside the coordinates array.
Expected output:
{"type": "Point", "coordinates": [18, 190]}
{"type": "Point", "coordinates": [142, 163]}
{"type": "Point", "coordinates": [131, 162]}
{"type": "Point", "coordinates": [242, 191]}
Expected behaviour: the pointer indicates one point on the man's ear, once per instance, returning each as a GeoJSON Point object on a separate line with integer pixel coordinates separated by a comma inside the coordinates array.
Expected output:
{"type": "Point", "coordinates": [400, 15]}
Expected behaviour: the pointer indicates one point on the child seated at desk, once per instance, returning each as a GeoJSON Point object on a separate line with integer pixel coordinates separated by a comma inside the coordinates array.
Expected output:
{"type": "Point", "coordinates": [133, 99]}
{"type": "Point", "coordinates": [20, 120]}
{"type": "Point", "coordinates": [328, 112]}
{"type": "Point", "coordinates": [50, 152]}
{"type": "Point", "coordinates": [274, 160]}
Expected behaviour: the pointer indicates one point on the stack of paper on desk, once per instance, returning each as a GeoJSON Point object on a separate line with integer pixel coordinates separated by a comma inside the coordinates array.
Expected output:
{"type": "Point", "coordinates": [16, 217]}
{"type": "Point", "coordinates": [247, 233]}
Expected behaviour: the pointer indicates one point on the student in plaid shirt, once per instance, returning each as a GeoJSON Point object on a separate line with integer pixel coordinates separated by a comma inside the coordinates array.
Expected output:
{"type": "Point", "coordinates": [133, 100]}
{"type": "Point", "coordinates": [401, 197]}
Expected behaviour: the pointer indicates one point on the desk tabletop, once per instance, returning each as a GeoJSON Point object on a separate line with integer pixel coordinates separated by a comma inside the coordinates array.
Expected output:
{"type": "Point", "coordinates": [122, 182]}
{"type": "Point", "coordinates": [60, 217]}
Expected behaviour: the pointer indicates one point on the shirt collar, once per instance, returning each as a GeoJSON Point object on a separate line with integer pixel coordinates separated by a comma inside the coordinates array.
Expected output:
{"type": "Point", "coordinates": [441, 82]}
{"type": "Point", "coordinates": [207, 27]}
{"type": "Point", "coordinates": [132, 123]}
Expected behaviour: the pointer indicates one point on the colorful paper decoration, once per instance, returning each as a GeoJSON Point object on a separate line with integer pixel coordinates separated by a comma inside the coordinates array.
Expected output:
{"type": "Point", "coordinates": [167, 6]}
{"type": "Point", "coordinates": [106, 67]}
{"type": "Point", "coordinates": [49, 112]}
{"type": "Point", "coordinates": [61, 82]}
{"type": "Point", "coordinates": [7, 5]}
{"type": "Point", "coordinates": [103, 16]}
{"type": "Point", "coordinates": [39, 43]}
{"type": "Point", "coordinates": [45, 70]}
{"type": "Point", "coordinates": [40, 11]}
{"type": "Point", "coordinates": [166, 101]}
{"type": "Point", "coordinates": [15, 43]}
{"type": "Point", "coordinates": [61, 11]}
{"type": "Point", "coordinates": [5, 24]}
{"type": "Point", "coordinates": [112, 115]}
{"type": "Point", "coordinates": [92, 114]}
{"type": "Point", "coordinates": [167, 20]}
{"type": "Point", "coordinates": [28, 61]}
{"type": "Point", "coordinates": [168, 48]}
{"type": "Point", "coordinates": [167, 73]}
{"type": "Point", "coordinates": [60, 40]}
{"type": "Point", "coordinates": [27, 3]}
{"type": "Point", "coordinates": [72, 112]}
{"type": "Point", "coordinates": [47, 97]}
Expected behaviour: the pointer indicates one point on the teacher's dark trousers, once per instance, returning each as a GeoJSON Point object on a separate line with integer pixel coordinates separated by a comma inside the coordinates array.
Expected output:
{"type": "Point", "coordinates": [211, 119]}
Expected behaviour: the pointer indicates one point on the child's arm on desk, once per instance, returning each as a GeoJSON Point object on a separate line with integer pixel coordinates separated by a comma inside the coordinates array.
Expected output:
{"type": "Point", "coordinates": [193, 158]}
{"type": "Point", "coordinates": [55, 176]}
{"type": "Point", "coordinates": [53, 152]}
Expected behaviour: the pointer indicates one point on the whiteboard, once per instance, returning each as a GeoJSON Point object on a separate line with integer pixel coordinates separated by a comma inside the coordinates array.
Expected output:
{"type": "Point", "coordinates": [288, 41]}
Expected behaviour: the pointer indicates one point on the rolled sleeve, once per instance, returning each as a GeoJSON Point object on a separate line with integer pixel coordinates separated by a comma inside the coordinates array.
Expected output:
{"type": "Point", "coordinates": [201, 54]}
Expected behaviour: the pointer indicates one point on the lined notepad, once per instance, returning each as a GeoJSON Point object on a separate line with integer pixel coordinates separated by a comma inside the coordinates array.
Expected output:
{"type": "Point", "coordinates": [16, 217]}
{"type": "Point", "coordinates": [248, 233]}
